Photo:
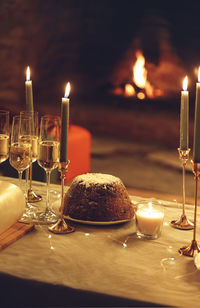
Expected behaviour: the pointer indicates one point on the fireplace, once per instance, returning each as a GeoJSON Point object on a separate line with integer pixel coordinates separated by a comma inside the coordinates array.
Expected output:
{"type": "Point", "coordinates": [96, 47]}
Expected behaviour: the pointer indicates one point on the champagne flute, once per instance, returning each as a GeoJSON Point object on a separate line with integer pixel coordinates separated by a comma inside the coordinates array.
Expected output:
{"type": "Point", "coordinates": [20, 148]}
{"type": "Point", "coordinates": [31, 195]}
{"type": "Point", "coordinates": [48, 158]}
{"type": "Point", "coordinates": [4, 135]}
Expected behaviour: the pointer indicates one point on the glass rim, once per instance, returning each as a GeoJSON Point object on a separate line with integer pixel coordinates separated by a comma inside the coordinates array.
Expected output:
{"type": "Point", "coordinates": [4, 111]}
{"type": "Point", "coordinates": [18, 116]}
{"type": "Point", "coordinates": [151, 200]}
{"type": "Point", "coordinates": [28, 112]}
{"type": "Point", "coordinates": [51, 118]}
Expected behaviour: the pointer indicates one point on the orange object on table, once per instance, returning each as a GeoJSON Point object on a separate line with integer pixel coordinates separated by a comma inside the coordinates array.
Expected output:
{"type": "Point", "coordinates": [79, 151]}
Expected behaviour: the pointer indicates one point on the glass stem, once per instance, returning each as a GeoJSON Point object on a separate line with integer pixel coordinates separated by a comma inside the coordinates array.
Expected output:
{"type": "Point", "coordinates": [31, 172]}
{"type": "Point", "coordinates": [27, 178]}
{"type": "Point", "coordinates": [195, 206]}
{"type": "Point", "coordinates": [48, 184]}
{"type": "Point", "coordinates": [20, 179]}
{"type": "Point", "coordinates": [62, 195]}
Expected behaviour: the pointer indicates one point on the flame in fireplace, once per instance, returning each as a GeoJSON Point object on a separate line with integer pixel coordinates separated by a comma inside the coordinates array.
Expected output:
{"type": "Point", "coordinates": [140, 80]}
{"type": "Point", "coordinates": [139, 86]}
{"type": "Point", "coordinates": [139, 71]}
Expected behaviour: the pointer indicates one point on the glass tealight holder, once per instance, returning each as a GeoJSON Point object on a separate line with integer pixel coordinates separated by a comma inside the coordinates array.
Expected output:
{"type": "Point", "coordinates": [149, 219]}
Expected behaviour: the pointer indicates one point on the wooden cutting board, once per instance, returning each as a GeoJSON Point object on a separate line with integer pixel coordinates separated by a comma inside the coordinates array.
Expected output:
{"type": "Point", "coordinates": [14, 233]}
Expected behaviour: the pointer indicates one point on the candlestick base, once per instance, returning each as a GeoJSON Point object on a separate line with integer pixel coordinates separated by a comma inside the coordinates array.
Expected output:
{"type": "Point", "coordinates": [60, 227]}
{"type": "Point", "coordinates": [182, 223]}
{"type": "Point", "coordinates": [184, 155]}
{"type": "Point", "coordinates": [33, 197]}
{"type": "Point", "coordinates": [196, 169]}
{"type": "Point", "coordinates": [190, 250]}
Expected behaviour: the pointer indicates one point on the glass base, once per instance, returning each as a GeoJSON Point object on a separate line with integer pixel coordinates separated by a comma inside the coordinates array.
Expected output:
{"type": "Point", "coordinates": [33, 197]}
{"type": "Point", "coordinates": [46, 218]}
{"type": "Point", "coordinates": [183, 223]}
{"type": "Point", "coordinates": [29, 214]}
{"type": "Point", "coordinates": [61, 227]}
{"type": "Point", "coordinates": [147, 236]}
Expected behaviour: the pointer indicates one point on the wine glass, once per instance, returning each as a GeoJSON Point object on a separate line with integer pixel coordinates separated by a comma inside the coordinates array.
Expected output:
{"type": "Point", "coordinates": [21, 144]}
{"type": "Point", "coordinates": [4, 135]}
{"type": "Point", "coordinates": [31, 195]}
{"type": "Point", "coordinates": [48, 158]}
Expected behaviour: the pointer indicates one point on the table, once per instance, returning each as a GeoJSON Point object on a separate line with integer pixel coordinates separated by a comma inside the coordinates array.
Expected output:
{"type": "Point", "coordinates": [100, 266]}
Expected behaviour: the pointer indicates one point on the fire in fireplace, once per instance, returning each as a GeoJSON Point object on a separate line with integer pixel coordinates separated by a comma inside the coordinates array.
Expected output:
{"type": "Point", "coordinates": [139, 86]}
{"type": "Point", "coordinates": [151, 68]}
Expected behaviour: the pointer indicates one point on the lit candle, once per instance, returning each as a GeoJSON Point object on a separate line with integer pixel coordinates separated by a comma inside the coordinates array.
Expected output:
{"type": "Point", "coordinates": [149, 219]}
{"type": "Point", "coordinates": [29, 91]}
{"type": "Point", "coordinates": [184, 117]}
{"type": "Point", "coordinates": [196, 143]}
{"type": "Point", "coordinates": [64, 125]}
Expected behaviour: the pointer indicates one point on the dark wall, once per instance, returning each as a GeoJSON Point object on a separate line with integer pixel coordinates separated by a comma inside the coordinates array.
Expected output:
{"type": "Point", "coordinates": [82, 41]}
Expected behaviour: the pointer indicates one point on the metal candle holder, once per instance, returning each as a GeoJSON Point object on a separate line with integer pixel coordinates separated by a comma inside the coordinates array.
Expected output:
{"type": "Point", "coordinates": [61, 227]}
{"type": "Point", "coordinates": [183, 223]}
{"type": "Point", "coordinates": [31, 195]}
{"type": "Point", "coordinates": [189, 250]}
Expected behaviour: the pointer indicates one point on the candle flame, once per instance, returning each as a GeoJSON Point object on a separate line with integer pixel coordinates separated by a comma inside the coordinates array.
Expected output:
{"type": "Point", "coordinates": [67, 90]}
{"type": "Point", "coordinates": [28, 73]}
{"type": "Point", "coordinates": [185, 83]}
{"type": "Point", "coordinates": [199, 74]}
{"type": "Point", "coordinates": [150, 207]}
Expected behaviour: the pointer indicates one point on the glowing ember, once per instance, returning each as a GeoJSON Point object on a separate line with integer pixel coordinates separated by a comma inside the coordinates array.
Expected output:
{"type": "Point", "coordinates": [129, 90]}
{"type": "Point", "coordinates": [141, 95]}
{"type": "Point", "coordinates": [118, 91]}
{"type": "Point", "coordinates": [158, 92]}
{"type": "Point", "coordinates": [149, 90]}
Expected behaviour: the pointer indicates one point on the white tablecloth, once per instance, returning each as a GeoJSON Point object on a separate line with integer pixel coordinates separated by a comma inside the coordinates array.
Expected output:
{"type": "Point", "coordinates": [107, 261]}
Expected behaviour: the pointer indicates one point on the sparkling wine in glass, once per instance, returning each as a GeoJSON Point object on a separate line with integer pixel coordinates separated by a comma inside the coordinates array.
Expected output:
{"type": "Point", "coordinates": [31, 195]}
{"type": "Point", "coordinates": [48, 158]}
{"type": "Point", "coordinates": [4, 135]}
{"type": "Point", "coordinates": [21, 145]}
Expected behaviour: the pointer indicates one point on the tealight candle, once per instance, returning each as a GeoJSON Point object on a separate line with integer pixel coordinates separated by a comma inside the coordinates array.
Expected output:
{"type": "Point", "coordinates": [196, 143]}
{"type": "Point", "coordinates": [149, 220]}
{"type": "Point", "coordinates": [29, 91]}
{"type": "Point", "coordinates": [64, 125]}
{"type": "Point", "coordinates": [184, 117]}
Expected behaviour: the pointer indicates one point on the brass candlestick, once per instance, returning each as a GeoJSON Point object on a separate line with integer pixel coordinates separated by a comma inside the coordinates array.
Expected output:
{"type": "Point", "coordinates": [189, 250]}
{"type": "Point", "coordinates": [61, 227]}
{"type": "Point", "coordinates": [183, 223]}
{"type": "Point", "coordinates": [31, 195]}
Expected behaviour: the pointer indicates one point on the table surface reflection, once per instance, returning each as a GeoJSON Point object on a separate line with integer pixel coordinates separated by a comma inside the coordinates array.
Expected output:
{"type": "Point", "coordinates": [103, 261]}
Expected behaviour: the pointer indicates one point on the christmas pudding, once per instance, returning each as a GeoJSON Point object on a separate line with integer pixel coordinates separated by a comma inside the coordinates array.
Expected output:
{"type": "Point", "coordinates": [98, 197]}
